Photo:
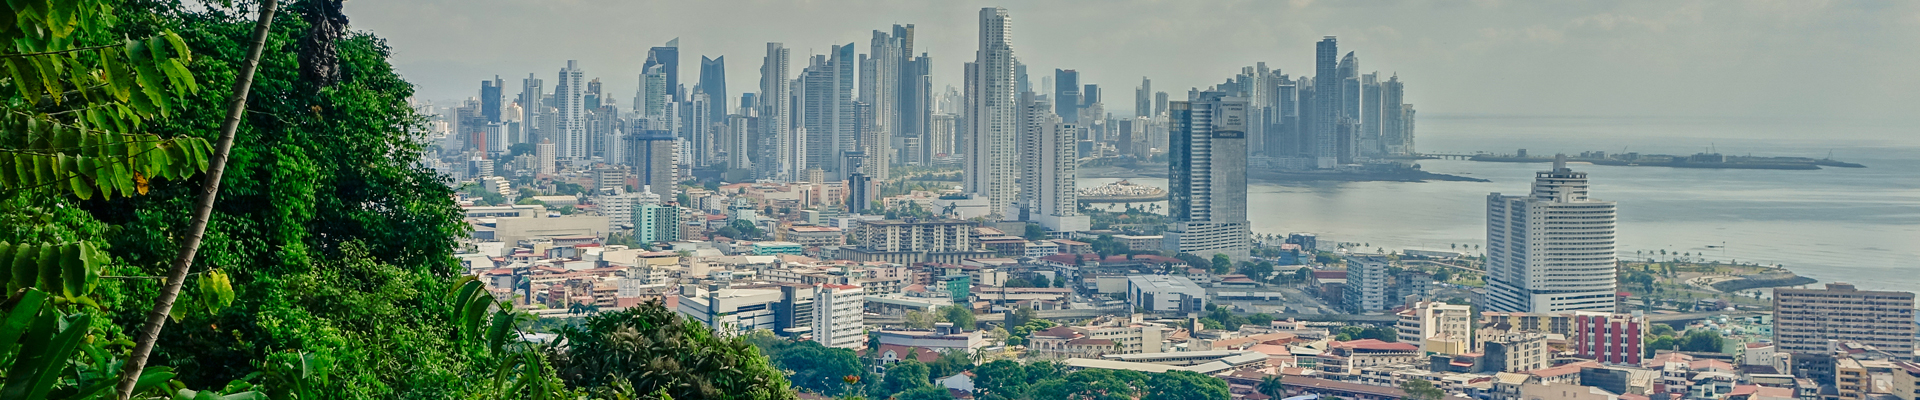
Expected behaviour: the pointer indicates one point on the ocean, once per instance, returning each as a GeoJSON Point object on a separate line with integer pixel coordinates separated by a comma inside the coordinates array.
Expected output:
{"type": "Point", "coordinates": [1855, 225]}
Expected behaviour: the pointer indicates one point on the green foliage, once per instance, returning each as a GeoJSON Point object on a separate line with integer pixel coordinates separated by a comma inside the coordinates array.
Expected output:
{"type": "Point", "coordinates": [53, 354]}
{"type": "Point", "coordinates": [1185, 385]}
{"type": "Point", "coordinates": [925, 393]}
{"type": "Point", "coordinates": [949, 363]}
{"type": "Point", "coordinates": [821, 369]}
{"type": "Point", "coordinates": [1258, 271]}
{"type": "Point", "coordinates": [1703, 340]}
{"type": "Point", "coordinates": [1271, 386]}
{"type": "Point", "coordinates": [654, 349]}
{"type": "Point", "coordinates": [1035, 232]}
{"type": "Point", "coordinates": [1357, 332]}
{"type": "Point", "coordinates": [903, 376]}
{"type": "Point", "coordinates": [70, 270]}
{"type": "Point", "coordinates": [1018, 335]}
{"type": "Point", "coordinates": [1007, 380]}
{"type": "Point", "coordinates": [1222, 264]}
{"type": "Point", "coordinates": [959, 315]}
{"type": "Point", "coordinates": [1421, 389]}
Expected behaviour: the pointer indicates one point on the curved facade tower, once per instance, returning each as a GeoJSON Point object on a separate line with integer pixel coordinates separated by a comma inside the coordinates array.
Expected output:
{"type": "Point", "coordinates": [1551, 251]}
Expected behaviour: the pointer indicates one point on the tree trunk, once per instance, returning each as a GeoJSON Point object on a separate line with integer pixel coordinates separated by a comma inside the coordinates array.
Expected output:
{"type": "Point", "coordinates": [203, 210]}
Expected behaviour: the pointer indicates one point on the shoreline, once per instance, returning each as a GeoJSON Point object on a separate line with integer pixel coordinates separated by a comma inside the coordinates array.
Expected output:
{"type": "Point", "coordinates": [1411, 176]}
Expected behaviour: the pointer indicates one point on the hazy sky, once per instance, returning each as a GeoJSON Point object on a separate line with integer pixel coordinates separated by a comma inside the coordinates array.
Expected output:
{"type": "Point", "coordinates": [1794, 58]}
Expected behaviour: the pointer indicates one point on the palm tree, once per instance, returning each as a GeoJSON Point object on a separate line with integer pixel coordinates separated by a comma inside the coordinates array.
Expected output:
{"type": "Point", "coordinates": [1271, 386]}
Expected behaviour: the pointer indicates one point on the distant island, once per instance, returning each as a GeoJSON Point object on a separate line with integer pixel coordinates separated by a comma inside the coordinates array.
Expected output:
{"type": "Point", "coordinates": [1700, 160]}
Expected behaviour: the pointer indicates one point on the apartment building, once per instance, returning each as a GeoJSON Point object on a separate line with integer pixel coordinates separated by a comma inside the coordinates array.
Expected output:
{"type": "Point", "coordinates": [1806, 319]}
{"type": "Point", "coordinates": [1428, 319]}
{"type": "Point", "coordinates": [1613, 339]}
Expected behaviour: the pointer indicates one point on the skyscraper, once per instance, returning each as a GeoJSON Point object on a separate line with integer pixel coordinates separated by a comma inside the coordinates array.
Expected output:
{"type": "Point", "coordinates": [713, 82]}
{"type": "Point", "coordinates": [1349, 105]}
{"type": "Point", "coordinates": [824, 106]}
{"type": "Point", "coordinates": [790, 155]}
{"type": "Point", "coordinates": [1048, 162]}
{"type": "Point", "coordinates": [652, 155]}
{"type": "Point", "coordinates": [1143, 98]}
{"type": "Point", "coordinates": [1207, 177]}
{"type": "Point", "coordinates": [1371, 107]}
{"type": "Point", "coordinates": [651, 102]}
{"type": "Point", "coordinates": [991, 167]}
{"type": "Point", "coordinates": [880, 89]}
{"type": "Point", "coordinates": [1326, 103]}
{"type": "Point", "coordinates": [569, 97]}
{"type": "Point", "coordinates": [1066, 95]}
{"type": "Point", "coordinates": [1396, 118]}
{"type": "Point", "coordinates": [491, 100]}
{"type": "Point", "coordinates": [532, 108]}
{"type": "Point", "coordinates": [1553, 250]}
{"type": "Point", "coordinates": [668, 58]}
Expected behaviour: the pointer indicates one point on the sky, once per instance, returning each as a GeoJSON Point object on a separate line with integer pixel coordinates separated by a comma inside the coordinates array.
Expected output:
{"type": "Point", "coordinates": [1801, 59]}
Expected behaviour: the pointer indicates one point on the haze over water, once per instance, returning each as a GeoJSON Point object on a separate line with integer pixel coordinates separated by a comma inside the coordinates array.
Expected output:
{"type": "Point", "coordinates": [1836, 224]}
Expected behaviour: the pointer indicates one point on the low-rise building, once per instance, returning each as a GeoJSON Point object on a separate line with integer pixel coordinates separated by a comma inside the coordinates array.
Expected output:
{"type": "Point", "coordinates": [1164, 293]}
{"type": "Point", "coordinates": [1345, 359]}
{"type": "Point", "coordinates": [1429, 319]}
{"type": "Point", "coordinates": [813, 236]}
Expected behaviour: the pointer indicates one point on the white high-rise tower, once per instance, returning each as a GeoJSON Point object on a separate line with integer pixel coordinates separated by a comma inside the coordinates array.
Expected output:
{"type": "Point", "coordinates": [1551, 251]}
{"type": "Point", "coordinates": [991, 115]}
{"type": "Point", "coordinates": [776, 106]}
{"type": "Point", "coordinates": [569, 97]}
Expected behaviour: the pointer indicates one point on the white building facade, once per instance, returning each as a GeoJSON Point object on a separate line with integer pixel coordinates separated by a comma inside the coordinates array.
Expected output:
{"type": "Point", "coordinates": [838, 312]}
{"type": "Point", "coordinates": [1553, 250]}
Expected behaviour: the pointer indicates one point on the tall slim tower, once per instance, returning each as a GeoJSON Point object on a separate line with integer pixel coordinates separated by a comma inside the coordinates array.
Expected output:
{"type": "Point", "coordinates": [881, 89]}
{"type": "Point", "coordinates": [1207, 177]}
{"type": "Point", "coordinates": [1551, 251]}
{"type": "Point", "coordinates": [1370, 113]}
{"type": "Point", "coordinates": [532, 107]}
{"type": "Point", "coordinates": [1143, 98]}
{"type": "Point", "coordinates": [713, 81]}
{"type": "Point", "coordinates": [1066, 95]}
{"type": "Point", "coordinates": [775, 110]}
{"type": "Point", "coordinates": [824, 106]}
{"type": "Point", "coordinates": [1349, 129]}
{"type": "Point", "coordinates": [668, 58]}
{"type": "Point", "coordinates": [1396, 128]}
{"type": "Point", "coordinates": [569, 98]}
{"type": "Point", "coordinates": [1325, 147]}
{"type": "Point", "coordinates": [491, 99]}
{"type": "Point", "coordinates": [991, 167]}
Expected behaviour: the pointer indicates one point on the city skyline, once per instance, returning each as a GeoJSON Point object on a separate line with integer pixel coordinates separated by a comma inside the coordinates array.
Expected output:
{"type": "Point", "coordinates": [1693, 65]}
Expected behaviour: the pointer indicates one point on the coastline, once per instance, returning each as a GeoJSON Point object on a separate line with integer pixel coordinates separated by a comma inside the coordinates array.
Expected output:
{"type": "Point", "coordinates": [1159, 171]}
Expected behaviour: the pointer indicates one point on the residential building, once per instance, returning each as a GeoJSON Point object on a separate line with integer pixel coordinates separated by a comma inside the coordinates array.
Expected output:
{"type": "Point", "coordinates": [1516, 352]}
{"type": "Point", "coordinates": [1553, 250]}
{"type": "Point", "coordinates": [813, 236]}
{"type": "Point", "coordinates": [991, 116]}
{"type": "Point", "coordinates": [1165, 293]}
{"type": "Point", "coordinates": [775, 103]}
{"type": "Point", "coordinates": [1346, 359]}
{"type": "Point", "coordinates": [1367, 283]}
{"type": "Point", "coordinates": [569, 99]}
{"type": "Point", "coordinates": [1207, 177]}
{"type": "Point", "coordinates": [838, 311]}
{"type": "Point", "coordinates": [733, 311]}
{"type": "Point", "coordinates": [1427, 319]}
{"type": "Point", "coordinates": [824, 110]}
{"type": "Point", "coordinates": [913, 241]}
{"type": "Point", "coordinates": [1610, 338]}
{"type": "Point", "coordinates": [1805, 320]}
